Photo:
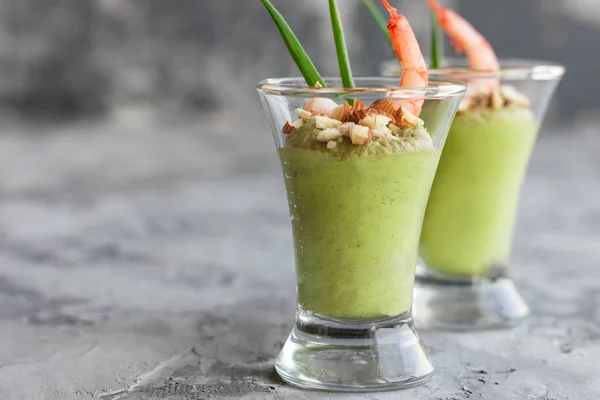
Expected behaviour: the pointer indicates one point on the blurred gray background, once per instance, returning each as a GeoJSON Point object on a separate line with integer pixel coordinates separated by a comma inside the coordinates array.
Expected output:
{"type": "Point", "coordinates": [131, 59]}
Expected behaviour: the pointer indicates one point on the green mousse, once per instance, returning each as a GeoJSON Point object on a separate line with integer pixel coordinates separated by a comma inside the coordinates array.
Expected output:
{"type": "Point", "coordinates": [470, 216]}
{"type": "Point", "coordinates": [357, 212]}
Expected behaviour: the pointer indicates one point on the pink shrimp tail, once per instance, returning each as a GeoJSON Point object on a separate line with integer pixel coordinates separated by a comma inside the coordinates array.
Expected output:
{"type": "Point", "coordinates": [464, 37]}
{"type": "Point", "coordinates": [406, 47]}
{"type": "Point", "coordinates": [433, 4]}
{"type": "Point", "coordinates": [393, 12]}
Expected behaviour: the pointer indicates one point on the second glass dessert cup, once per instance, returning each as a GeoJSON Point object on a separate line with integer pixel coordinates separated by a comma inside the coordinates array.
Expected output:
{"type": "Point", "coordinates": [357, 208]}
{"type": "Point", "coordinates": [462, 279]}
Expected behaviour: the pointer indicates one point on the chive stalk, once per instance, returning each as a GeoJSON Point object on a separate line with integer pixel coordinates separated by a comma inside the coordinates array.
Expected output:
{"type": "Point", "coordinates": [437, 43]}
{"type": "Point", "coordinates": [340, 45]}
{"type": "Point", "coordinates": [302, 60]}
{"type": "Point", "coordinates": [378, 17]}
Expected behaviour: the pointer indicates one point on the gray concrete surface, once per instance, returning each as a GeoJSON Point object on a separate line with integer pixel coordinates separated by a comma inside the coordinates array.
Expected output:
{"type": "Point", "coordinates": [154, 261]}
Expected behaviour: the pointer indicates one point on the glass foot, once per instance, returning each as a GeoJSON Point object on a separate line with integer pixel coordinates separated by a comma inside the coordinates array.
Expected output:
{"type": "Point", "coordinates": [476, 304]}
{"type": "Point", "coordinates": [353, 356]}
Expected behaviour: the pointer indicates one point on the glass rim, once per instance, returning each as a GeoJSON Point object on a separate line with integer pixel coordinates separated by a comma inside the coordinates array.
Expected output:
{"type": "Point", "coordinates": [296, 86]}
{"type": "Point", "coordinates": [511, 69]}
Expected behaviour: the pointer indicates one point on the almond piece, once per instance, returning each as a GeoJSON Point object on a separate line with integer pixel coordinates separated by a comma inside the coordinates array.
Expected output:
{"type": "Point", "coordinates": [345, 128]}
{"type": "Point", "coordinates": [381, 112]}
{"type": "Point", "coordinates": [381, 132]}
{"type": "Point", "coordinates": [360, 134]}
{"type": "Point", "coordinates": [331, 145]}
{"type": "Point", "coordinates": [383, 120]}
{"type": "Point", "coordinates": [384, 105]}
{"type": "Point", "coordinates": [357, 115]}
{"type": "Point", "coordinates": [358, 105]}
{"type": "Point", "coordinates": [329, 134]}
{"type": "Point", "coordinates": [496, 99]}
{"type": "Point", "coordinates": [513, 97]}
{"type": "Point", "coordinates": [482, 98]}
{"type": "Point", "coordinates": [399, 114]}
{"type": "Point", "coordinates": [373, 121]}
{"type": "Point", "coordinates": [405, 119]}
{"type": "Point", "coordinates": [302, 113]}
{"type": "Point", "coordinates": [342, 112]}
{"type": "Point", "coordinates": [466, 104]}
{"type": "Point", "coordinates": [322, 122]}
{"type": "Point", "coordinates": [290, 128]}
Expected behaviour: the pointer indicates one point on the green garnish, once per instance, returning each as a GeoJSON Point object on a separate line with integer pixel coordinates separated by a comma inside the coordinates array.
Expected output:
{"type": "Point", "coordinates": [437, 43]}
{"type": "Point", "coordinates": [302, 60]}
{"type": "Point", "coordinates": [378, 17]}
{"type": "Point", "coordinates": [340, 45]}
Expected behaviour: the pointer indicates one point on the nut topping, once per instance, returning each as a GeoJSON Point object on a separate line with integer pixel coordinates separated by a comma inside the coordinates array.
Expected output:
{"type": "Point", "coordinates": [290, 128]}
{"type": "Point", "coordinates": [385, 106]}
{"type": "Point", "coordinates": [322, 122]}
{"type": "Point", "coordinates": [329, 134]}
{"type": "Point", "coordinates": [360, 134]}
{"type": "Point", "coordinates": [405, 119]}
{"type": "Point", "coordinates": [357, 116]}
{"type": "Point", "coordinates": [341, 113]}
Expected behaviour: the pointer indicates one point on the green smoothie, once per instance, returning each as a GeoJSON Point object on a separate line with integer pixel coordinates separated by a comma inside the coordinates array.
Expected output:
{"type": "Point", "coordinates": [357, 212]}
{"type": "Point", "coordinates": [470, 216]}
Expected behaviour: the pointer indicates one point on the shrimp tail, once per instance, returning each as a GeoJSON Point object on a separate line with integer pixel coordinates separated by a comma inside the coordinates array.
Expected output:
{"type": "Point", "coordinates": [464, 37]}
{"type": "Point", "coordinates": [433, 4]}
{"type": "Point", "coordinates": [406, 47]}
{"type": "Point", "coordinates": [393, 12]}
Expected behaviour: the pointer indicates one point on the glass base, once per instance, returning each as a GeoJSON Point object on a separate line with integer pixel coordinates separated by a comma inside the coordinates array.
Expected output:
{"type": "Point", "coordinates": [353, 356]}
{"type": "Point", "coordinates": [443, 302]}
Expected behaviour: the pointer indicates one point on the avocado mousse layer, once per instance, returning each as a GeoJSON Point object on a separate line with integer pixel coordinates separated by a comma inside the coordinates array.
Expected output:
{"type": "Point", "coordinates": [357, 185]}
{"type": "Point", "coordinates": [470, 217]}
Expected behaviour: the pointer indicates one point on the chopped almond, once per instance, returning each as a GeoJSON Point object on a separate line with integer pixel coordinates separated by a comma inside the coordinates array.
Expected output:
{"type": "Point", "coordinates": [511, 96]}
{"type": "Point", "coordinates": [290, 128]}
{"type": "Point", "coordinates": [496, 99]}
{"type": "Point", "coordinates": [405, 119]}
{"type": "Point", "coordinates": [322, 122]}
{"type": "Point", "coordinates": [384, 105]}
{"type": "Point", "coordinates": [358, 105]}
{"type": "Point", "coordinates": [357, 115]}
{"type": "Point", "coordinates": [381, 132]}
{"type": "Point", "coordinates": [466, 104]}
{"type": "Point", "coordinates": [373, 121]}
{"type": "Point", "coordinates": [345, 128]}
{"type": "Point", "coordinates": [302, 113]}
{"type": "Point", "coordinates": [381, 112]}
{"type": "Point", "coordinates": [342, 112]}
{"type": "Point", "coordinates": [328, 134]}
{"type": "Point", "coordinates": [331, 145]}
{"type": "Point", "coordinates": [360, 134]}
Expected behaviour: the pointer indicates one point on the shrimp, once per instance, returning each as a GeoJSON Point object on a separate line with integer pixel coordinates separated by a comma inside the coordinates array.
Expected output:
{"type": "Point", "coordinates": [320, 106]}
{"type": "Point", "coordinates": [406, 47]}
{"type": "Point", "coordinates": [464, 37]}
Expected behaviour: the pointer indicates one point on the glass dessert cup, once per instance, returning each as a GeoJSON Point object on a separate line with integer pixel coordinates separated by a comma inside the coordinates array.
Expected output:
{"type": "Point", "coordinates": [357, 212]}
{"type": "Point", "coordinates": [462, 278]}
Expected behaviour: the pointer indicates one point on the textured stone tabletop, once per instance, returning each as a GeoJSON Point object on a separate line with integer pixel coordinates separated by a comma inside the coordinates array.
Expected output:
{"type": "Point", "coordinates": [155, 262]}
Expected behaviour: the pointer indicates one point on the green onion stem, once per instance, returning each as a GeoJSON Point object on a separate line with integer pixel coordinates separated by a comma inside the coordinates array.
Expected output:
{"type": "Point", "coordinates": [437, 43]}
{"type": "Point", "coordinates": [378, 17]}
{"type": "Point", "coordinates": [340, 45]}
{"type": "Point", "coordinates": [302, 60]}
